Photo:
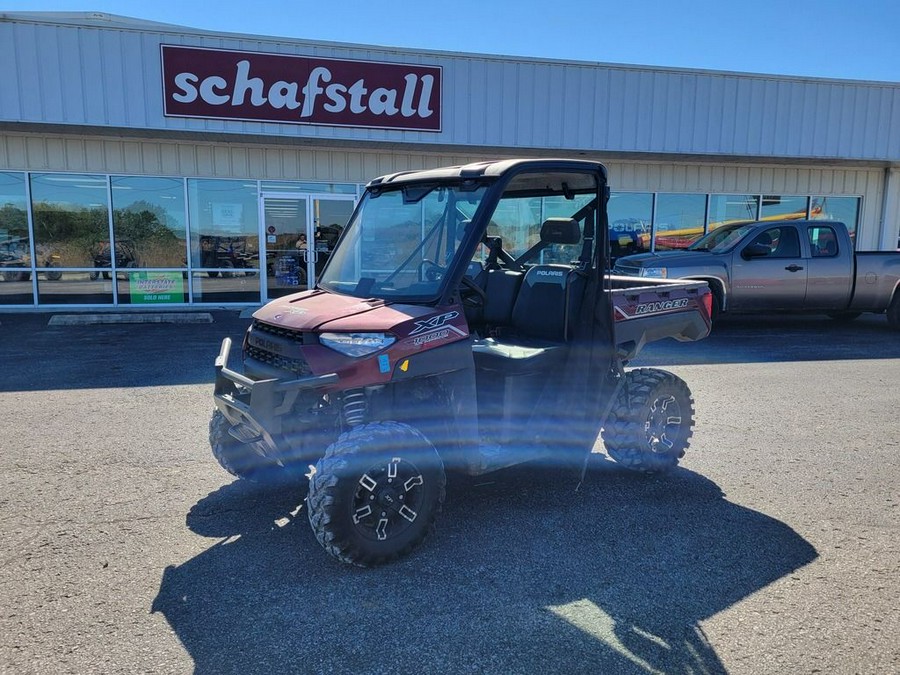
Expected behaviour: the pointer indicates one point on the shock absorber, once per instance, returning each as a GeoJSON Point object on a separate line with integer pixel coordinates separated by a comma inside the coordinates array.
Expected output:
{"type": "Point", "coordinates": [354, 402]}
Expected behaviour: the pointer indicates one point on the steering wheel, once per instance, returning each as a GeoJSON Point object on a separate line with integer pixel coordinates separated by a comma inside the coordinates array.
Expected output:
{"type": "Point", "coordinates": [430, 270]}
{"type": "Point", "coordinates": [471, 294]}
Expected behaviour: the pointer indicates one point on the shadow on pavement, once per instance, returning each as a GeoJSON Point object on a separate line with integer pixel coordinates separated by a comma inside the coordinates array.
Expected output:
{"type": "Point", "coordinates": [780, 338]}
{"type": "Point", "coordinates": [523, 575]}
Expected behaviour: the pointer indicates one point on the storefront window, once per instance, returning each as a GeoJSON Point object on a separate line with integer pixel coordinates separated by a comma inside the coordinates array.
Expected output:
{"type": "Point", "coordinates": [224, 226]}
{"type": "Point", "coordinates": [679, 220]}
{"type": "Point", "coordinates": [148, 222]}
{"type": "Point", "coordinates": [71, 218]}
{"type": "Point", "coordinates": [630, 215]}
{"type": "Point", "coordinates": [73, 288]}
{"type": "Point", "coordinates": [777, 207]}
{"type": "Point", "coordinates": [728, 209]}
{"type": "Point", "coordinates": [15, 250]}
{"type": "Point", "coordinates": [842, 209]}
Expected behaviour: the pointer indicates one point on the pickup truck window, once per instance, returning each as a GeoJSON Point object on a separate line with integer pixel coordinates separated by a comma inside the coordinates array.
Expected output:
{"type": "Point", "coordinates": [723, 238]}
{"type": "Point", "coordinates": [782, 242]}
{"type": "Point", "coordinates": [822, 242]}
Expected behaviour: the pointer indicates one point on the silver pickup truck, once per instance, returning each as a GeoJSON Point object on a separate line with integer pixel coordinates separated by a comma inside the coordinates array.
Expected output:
{"type": "Point", "coordinates": [791, 265]}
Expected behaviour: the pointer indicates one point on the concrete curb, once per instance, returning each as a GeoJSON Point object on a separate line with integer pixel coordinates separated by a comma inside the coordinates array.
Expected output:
{"type": "Point", "coordinates": [92, 319]}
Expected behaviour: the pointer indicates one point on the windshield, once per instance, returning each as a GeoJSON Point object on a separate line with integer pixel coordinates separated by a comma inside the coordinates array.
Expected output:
{"type": "Point", "coordinates": [722, 239]}
{"type": "Point", "coordinates": [401, 240]}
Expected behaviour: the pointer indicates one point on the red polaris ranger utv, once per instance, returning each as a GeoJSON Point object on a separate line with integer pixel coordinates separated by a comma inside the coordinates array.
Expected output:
{"type": "Point", "coordinates": [466, 320]}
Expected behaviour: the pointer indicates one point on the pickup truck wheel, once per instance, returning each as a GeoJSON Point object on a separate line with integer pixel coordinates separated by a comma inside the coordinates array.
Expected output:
{"type": "Point", "coordinates": [239, 459]}
{"type": "Point", "coordinates": [844, 317]}
{"type": "Point", "coordinates": [375, 494]}
{"type": "Point", "coordinates": [893, 312]}
{"type": "Point", "coordinates": [652, 421]}
{"type": "Point", "coordinates": [716, 304]}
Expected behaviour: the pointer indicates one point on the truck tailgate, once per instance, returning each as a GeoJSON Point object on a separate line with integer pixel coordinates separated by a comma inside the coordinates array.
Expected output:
{"type": "Point", "coordinates": [647, 310]}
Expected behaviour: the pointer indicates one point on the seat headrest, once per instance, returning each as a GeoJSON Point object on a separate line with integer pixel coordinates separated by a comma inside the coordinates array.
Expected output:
{"type": "Point", "coordinates": [560, 231]}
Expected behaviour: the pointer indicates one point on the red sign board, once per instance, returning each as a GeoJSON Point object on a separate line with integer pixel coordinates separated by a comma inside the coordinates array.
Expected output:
{"type": "Point", "coordinates": [261, 87]}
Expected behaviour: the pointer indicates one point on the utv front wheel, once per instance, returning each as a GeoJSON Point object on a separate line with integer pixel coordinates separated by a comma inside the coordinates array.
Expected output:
{"type": "Point", "coordinates": [239, 459]}
{"type": "Point", "coordinates": [652, 421]}
{"type": "Point", "coordinates": [375, 494]}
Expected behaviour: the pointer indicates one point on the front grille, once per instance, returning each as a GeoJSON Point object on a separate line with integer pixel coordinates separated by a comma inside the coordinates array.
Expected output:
{"type": "Point", "coordinates": [294, 335]}
{"type": "Point", "coordinates": [627, 270]}
{"type": "Point", "coordinates": [278, 348]}
{"type": "Point", "coordinates": [298, 366]}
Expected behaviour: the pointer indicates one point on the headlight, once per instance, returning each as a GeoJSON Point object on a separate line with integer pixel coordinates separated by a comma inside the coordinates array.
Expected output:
{"type": "Point", "coordinates": [654, 272]}
{"type": "Point", "coordinates": [357, 344]}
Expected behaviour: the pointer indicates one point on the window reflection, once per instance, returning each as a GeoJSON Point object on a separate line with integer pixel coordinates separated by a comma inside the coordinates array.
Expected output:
{"type": "Point", "coordinates": [148, 223]}
{"type": "Point", "coordinates": [71, 218]}
{"type": "Point", "coordinates": [842, 209]}
{"type": "Point", "coordinates": [728, 209]}
{"type": "Point", "coordinates": [74, 288]}
{"type": "Point", "coordinates": [15, 250]}
{"type": "Point", "coordinates": [679, 220]}
{"type": "Point", "coordinates": [224, 218]}
{"type": "Point", "coordinates": [16, 291]}
{"type": "Point", "coordinates": [243, 287]}
{"type": "Point", "coordinates": [777, 207]}
{"type": "Point", "coordinates": [630, 215]}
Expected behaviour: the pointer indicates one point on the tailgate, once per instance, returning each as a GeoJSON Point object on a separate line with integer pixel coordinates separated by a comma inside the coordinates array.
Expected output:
{"type": "Point", "coordinates": [647, 310]}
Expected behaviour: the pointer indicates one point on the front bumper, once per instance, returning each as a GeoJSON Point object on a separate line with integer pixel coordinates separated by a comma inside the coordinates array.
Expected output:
{"type": "Point", "coordinates": [255, 408]}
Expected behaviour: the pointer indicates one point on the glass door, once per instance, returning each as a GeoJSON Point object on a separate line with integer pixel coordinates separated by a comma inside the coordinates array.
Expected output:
{"type": "Point", "coordinates": [300, 231]}
{"type": "Point", "coordinates": [287, 231]}
{"type": "Point", "coordinates": [329, 216]}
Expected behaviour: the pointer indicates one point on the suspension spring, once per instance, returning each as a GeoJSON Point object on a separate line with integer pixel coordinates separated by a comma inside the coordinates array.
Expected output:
{"type": "Point", "coordinates": [354, 407]}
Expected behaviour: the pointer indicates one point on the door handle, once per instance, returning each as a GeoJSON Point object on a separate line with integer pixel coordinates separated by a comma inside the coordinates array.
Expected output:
{"type": "Point", "coordinates": [793, 268]}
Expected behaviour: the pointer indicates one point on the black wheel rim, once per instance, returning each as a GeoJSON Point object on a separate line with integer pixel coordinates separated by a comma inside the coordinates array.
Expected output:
{"type": "Point", "coordinates": [388, 499]}
{"type": "Point", "coordinates": [663, 425]}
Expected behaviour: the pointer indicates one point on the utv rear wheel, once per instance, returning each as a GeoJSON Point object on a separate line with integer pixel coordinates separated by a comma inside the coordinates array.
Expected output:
{"type": "Point", "coordinates": [375, 494]}
{"type": "Point", "coordinates": [652, 421]}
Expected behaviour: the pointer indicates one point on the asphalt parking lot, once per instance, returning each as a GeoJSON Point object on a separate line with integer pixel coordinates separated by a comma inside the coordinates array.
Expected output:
{"type": "Point", "coordinates": [773, 549]}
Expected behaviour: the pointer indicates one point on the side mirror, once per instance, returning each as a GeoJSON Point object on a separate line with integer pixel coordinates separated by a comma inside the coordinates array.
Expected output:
{"type": "Point", "coordinates": [755, 251]}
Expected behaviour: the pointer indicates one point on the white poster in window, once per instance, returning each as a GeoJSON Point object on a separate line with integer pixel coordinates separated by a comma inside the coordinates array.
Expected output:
{"type": "Point", "coordinates": [227, 218]}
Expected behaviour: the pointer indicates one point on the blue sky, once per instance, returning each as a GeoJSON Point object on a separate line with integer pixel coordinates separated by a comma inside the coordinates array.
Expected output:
{"type": "Point", "coordinates": [825, 38]}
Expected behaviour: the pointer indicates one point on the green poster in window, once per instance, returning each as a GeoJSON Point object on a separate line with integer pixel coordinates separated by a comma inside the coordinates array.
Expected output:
{"type": "Point", "coordinates": [156, 287]}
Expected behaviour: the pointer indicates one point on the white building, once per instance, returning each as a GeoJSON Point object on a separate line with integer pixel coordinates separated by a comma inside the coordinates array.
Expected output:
{"type": "Point", "coordinates": [145, 163]}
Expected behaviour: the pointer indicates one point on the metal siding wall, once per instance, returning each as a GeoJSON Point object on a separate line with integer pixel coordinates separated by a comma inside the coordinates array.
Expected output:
{"type": "Point", "coordinates": [110, 76]}
{"type": "Point", "coordinates": [890, 217]}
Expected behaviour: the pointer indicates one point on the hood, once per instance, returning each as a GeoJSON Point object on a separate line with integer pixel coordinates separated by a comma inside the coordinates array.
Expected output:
{"type": "Point", "coordinates": [665, 259]}
{"type": "Point", "coordinates": [320, 310]}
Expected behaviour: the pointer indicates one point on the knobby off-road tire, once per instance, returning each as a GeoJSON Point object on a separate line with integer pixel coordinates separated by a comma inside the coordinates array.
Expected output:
{"type": "Point", "coordinates": [651, 422]}
{"type": "Point", "coordinates": [375, 494]}
{"type": "Point", "coordinates": [238, 459]}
